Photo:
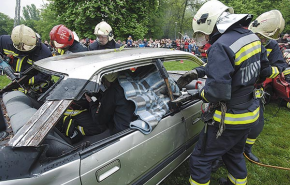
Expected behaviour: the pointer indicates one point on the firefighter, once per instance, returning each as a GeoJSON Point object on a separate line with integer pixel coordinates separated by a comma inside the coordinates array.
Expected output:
{"type": "Point", "coordinates": [105, 37]}
{"type": "Point", "coordinates": [268, 26]}
{"type": "Point", "coordinates": [113, 111]}
{"type": "Point", "coordinates": [22, 49]}
{"type": "Point", "coordinates": [63, 39]}
{"type": "Point", "coordinates": [235, 61]}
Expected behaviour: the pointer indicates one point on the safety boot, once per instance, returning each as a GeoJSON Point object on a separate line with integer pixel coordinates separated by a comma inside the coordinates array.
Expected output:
{"type": "Point", "coordinates": [251, 156]}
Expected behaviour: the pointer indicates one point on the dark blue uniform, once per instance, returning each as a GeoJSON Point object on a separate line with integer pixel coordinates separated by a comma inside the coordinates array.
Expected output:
{"type": "Point", "coordinates": [275, 58]}
{"type": "Point", "coordinates": [23, 60]}
{"type": "Point", "coordinates": [113, 111]}
{"type": "Point", "coordinates": [110, 45]}
{"type": "Point", "coordinates": [235, 61]}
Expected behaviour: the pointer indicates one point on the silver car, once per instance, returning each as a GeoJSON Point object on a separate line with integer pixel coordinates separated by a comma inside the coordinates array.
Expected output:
{"type": "Point", "coordinates": [35, 152]}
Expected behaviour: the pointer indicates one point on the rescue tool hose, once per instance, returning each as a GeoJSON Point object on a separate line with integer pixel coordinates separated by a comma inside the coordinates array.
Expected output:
{"type": "Point", "coordinates": [266, 165]}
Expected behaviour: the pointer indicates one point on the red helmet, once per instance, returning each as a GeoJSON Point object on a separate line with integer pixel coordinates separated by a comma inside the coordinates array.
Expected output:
{"type": "Point", "coordinates": [61, 36]}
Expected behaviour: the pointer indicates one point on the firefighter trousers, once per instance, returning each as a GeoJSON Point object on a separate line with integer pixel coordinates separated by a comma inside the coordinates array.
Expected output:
{"type": "Point", "coordinates": [255, 131]}
{"type": "Point", "coordinates": [229, 146]}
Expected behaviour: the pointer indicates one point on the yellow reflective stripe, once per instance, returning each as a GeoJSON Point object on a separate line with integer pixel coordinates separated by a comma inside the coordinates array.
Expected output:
{"type": "Point", "coordinates": [29, 61]}
{"type": "Point", "coordinates": [286, 72]}
{"type": "Point", "coordinates": [60, 51]}
{"type": "Point", "coordinates": [19, 64]}
{"type": "Point", "coordinates": [247, 51]}
{"type": "Point", "coordinates": [275, 72]}
{"type": "Point", "coordinates": [73, 112]}
{"type": "Point", "coordinates": [204, 64]}
{"type": "Point", "coordinates": [202, 95]}
{"type": "Point", "coordinates": [64, 118]}
{"type": "Point", "coordinates": [31, 81]}
{"type": "Point", "coordinates": [259, 93]}
{"type": "Point", "coordinates": [235, 119]}
{"type": "Point", "coordinates": [67, 129]}
{"type": "Point", "coordinates": [21, 90]}
{"type": "Point", "coordinates": [268, 52]}
{"type": "Point", "coordinates": [192, 182]}
{"type": "Point", "coordinates": [237, 181]}
{"type": "Point", "coordinates": [81, 129]}
{"type": "Point", "coordinates": [250, 141]}
{"type": "Point", "coordinates": [9, 52]}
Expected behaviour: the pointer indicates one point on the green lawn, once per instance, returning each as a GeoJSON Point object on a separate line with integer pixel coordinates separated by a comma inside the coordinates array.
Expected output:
{"type": "Point", "coordinates": [272, 146]}
{"type": "Point", "coordinates": [4, 81]}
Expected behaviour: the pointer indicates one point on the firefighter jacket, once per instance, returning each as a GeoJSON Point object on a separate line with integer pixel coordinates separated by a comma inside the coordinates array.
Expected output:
{"type": "Point", "coordinates": [113, 110]}
{"type": "Point", "coordinates": [110, 45]}
{"type": "Point", "coordinates": [235, 61]}
{"type": "Point", "coordinates": [20, 61]}
{"type": "Point", "coordinates": [275, 56]}
{"type": "Point", "coordinates": [74, 48]}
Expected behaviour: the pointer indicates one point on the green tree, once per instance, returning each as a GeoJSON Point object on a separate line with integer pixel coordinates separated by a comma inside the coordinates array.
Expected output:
{"type": "Point", "coordinates": [6, 24]}
{"type": "Point", "coordinates": [257, 7]}
{"type": "Point", "coordinates": [30, 16]}
{"type": "Point", "coordinates": [48, 19]}
{"type": "Point", "coordinates": [127, 17]}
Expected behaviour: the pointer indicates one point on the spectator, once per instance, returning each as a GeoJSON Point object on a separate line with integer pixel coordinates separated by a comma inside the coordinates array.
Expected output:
{"type": "Point", "coordinates": [145, 42]}
{"type": "Point", "coordinates": [130, 40]}
{"type": "Point", "coordinates": [283, 42]}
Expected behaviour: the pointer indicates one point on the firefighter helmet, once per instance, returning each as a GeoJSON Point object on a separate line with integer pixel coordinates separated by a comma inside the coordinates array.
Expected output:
{"type": "Point", "coordinates": [104, 29]}
{"type": "Point", "coordinates": [23, 38]}
{"type": "Point", "coordinates": [111, 77]}
{"type": "Point", "coordinates": [61, 36]}
{"type": "Point", "coordinates": [269, 24]}
{"type": "Point", "coordinates": [206, 17]}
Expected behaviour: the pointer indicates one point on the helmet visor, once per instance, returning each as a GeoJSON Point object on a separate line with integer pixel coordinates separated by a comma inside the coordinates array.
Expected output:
{"type": "Point", "coordinates": [58, 45]}
{"type": "Point", "coordinates": [200, 39]}
{"type": "Point", "coordinates": [24, 47]}
{"type": "Point", "coordinates": [264, 40]}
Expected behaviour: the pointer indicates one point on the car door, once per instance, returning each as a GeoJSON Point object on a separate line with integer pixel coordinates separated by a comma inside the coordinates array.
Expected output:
{"type": "Point", "coordinates": [133, 157]}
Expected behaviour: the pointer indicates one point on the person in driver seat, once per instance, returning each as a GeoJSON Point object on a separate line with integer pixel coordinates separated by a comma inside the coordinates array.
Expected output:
{"type": "Point", "coordinates": [113, 111]}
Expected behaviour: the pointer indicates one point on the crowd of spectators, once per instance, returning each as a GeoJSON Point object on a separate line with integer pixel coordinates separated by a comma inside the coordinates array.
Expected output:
{"type": "Point", "coordinates": [186, 44]}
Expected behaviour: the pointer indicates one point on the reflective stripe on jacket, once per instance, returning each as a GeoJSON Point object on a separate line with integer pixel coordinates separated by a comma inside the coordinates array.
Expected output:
{"type": "Point", "coordinates": [235, 61]}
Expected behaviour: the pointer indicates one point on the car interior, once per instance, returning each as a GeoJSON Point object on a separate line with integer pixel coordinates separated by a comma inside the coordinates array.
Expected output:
{"type": "Point", "coordinates": [20, 108]}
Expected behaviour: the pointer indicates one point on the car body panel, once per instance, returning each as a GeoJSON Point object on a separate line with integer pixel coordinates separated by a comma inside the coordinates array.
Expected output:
{"type": "Point", "coordinates": [66, 174]}
{"type": "Point", "coordinates": [133, 149]}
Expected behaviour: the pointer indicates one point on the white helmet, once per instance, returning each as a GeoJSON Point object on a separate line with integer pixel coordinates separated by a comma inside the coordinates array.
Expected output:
{"type": "Point", "coordinates": [206, 17]}
{"type": "Point", "coordinates": [103, 28]}
{"type": "Point", "coordinates": [23, 38]}
{"type": "Point", "coordinates": [269, 24]}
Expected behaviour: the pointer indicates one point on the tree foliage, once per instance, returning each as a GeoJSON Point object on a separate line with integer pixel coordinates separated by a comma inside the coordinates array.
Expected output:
{"type": "Point", "coordinates": [30, 16]}
{"type": "Point", "coordinates": [127, 17]}
{"type": "Point", "coordinates": [6, 24]}
{"type": "Point", "coordinates": [150, 18]}
{"type": "Point", "coordinates": [257, 7]}
{"type": "Point", "coordinates": [48, 19]}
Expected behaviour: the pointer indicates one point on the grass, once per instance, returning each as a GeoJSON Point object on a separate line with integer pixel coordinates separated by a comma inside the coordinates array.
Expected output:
{"type": "Point", "coordinates": [4, 81]}
{"type": "Point", "coordinates": [272, 146]}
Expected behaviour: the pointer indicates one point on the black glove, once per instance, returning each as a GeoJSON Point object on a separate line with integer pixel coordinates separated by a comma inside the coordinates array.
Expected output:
{"type": "Point", "coordinates": [187, 78]}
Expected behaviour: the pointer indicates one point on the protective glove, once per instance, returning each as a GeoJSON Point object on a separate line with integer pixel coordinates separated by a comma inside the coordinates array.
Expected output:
{"type": "Point", "coordinates": [187, 78]}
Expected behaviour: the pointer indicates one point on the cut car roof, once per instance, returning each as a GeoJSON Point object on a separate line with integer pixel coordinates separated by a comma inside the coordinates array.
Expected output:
{"type": "Point", "coordinates": [83, 65]}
